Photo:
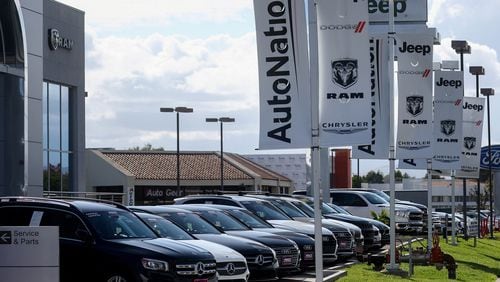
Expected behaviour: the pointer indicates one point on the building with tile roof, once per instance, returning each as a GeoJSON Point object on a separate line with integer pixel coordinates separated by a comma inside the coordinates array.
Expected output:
{"type": "Point", "coordinates": [150, 177]}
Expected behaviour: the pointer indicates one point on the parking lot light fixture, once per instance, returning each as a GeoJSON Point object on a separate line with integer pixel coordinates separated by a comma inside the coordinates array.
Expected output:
{"type": "Point", "coordinates": [489, 92]}
{"type": "Point", "coordinates": [221, 120]}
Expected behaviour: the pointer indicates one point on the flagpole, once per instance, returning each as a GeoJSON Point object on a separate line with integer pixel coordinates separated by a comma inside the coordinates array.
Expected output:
{"type": "Point", "coordinates": [315, 152]}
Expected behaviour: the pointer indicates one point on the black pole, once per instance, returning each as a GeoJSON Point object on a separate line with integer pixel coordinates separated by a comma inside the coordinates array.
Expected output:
{"type": "Point", "coordinates": [221, 158]}
{"type": "Point", "coordinates": [178, 160]}
{"type": "Point", "coordinates": [464, 203]}
{"type": "Point", "coordinates": [489, 167]}
{"type": "Point", "coordinates": [479, 179]}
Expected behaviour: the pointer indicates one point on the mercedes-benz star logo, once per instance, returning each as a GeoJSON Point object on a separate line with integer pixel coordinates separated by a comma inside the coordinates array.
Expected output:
{"type": "Point", "coordinates": [230, 268]}
{"type": "Point", "coordinates": [259, 260]}
{"type": "Point", "coordinates": [200, 268]}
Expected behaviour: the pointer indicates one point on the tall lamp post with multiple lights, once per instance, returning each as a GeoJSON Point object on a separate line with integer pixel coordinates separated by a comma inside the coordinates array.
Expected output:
{"type": "Point", "coordinates": [477, 71]}
{"type": "Point", "coordinates": [489, 92]}
{"type": "Point", "coordinates": [177, 110]}
{"type": "Point", "coordinates": [461, 47]}
{"type": "Point", "coordinates": [221, 120]}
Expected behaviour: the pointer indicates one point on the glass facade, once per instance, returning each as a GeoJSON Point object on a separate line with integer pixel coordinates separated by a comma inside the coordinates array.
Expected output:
{"type": "Point", "coordinates": [56, 140]}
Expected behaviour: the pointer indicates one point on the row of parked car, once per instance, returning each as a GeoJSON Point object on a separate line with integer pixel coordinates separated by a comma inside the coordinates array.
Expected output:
{"type": "Point", "coordinates": [201, 238]}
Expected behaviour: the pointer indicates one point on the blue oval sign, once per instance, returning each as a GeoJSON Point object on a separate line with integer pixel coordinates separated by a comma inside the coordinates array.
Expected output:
{"type": "Point", "coordinates": [495, 157]}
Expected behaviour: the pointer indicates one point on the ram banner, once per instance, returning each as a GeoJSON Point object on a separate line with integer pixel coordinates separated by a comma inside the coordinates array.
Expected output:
{"type": "Point", "coordinates": [414, 136]}
{"type": "Point", "coordinates": [344, 73]}
{"type": "Point", "coordinates": [378, 148]}
{"type": "Point", "coordinates": [473, 117]}
{"type": "Point", "coordinates": [448, 102]}
{"type": "Point", "coordinates": [285, 104]}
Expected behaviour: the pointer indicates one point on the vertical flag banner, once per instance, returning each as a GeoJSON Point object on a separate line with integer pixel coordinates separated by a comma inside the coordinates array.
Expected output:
{"type": "Point", "coordinates": [473, 117]}
{"type": "Point", "coordinates": [344, 73]}
{"type": "Point", "coordinates": [378, 147]}
{"type": "Point", "coordinates": [414, 52]}
{"type": "Point", "coordinates": [282, 46]}
{"type": "Point", "coordinates": [448, 98]}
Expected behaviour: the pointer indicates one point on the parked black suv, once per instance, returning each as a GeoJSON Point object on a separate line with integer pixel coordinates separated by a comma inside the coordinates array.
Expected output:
{"type": "Point", "coordinates": [107, 242]}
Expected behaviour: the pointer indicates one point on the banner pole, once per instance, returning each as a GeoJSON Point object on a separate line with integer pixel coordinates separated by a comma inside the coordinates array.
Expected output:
{"type": "Point", "coordinates": [392, 159]}
{"type": "Point", "coordinates": [429, 205]}
{"type": "Point", "coordinates": [315, 152]}
{"type": "Point", "coordinates": [453, 225]}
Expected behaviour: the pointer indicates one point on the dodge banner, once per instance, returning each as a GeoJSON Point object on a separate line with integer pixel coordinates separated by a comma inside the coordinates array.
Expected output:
{"type": "Point", "coordinates": [344, 73]}
{"type": "Point", "coordinates": [285, 104]}
{"type": "Point", "coordinates": [414, 136]}
{"type": "Point", "coordinates": [448, 97]}
{"type": "Point", "coordinates": [473, 116]}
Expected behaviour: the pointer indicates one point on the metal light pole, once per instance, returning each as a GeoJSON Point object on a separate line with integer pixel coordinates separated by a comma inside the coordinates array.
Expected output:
{"type": "Point", "coordinates": [462, 47]}
{"type": "Point", "coordinates": [477, 71]}
{"type": "Point", "coordinates": [177, 110]}
{"type": "Point", "coordinates": [489, 92]}
{"type": "Point", "coordinates": [221, 120]}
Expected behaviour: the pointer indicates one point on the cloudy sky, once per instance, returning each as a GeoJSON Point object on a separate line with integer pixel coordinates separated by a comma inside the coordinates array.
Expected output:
{"type": "Point", "coordinates": [147, 54]}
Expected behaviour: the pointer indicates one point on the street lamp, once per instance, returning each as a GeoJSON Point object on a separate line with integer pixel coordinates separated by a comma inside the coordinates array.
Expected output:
{"type": "Point", "coordinates": [221, 120]}
{"type": "Point", "coordinates": [462, 47]}
{"type": "Point", "coordinates": [489, 92]}
{"type": "Point", "coordinates": [177, 110]}
{"type": "Point", "coordinates": [477, 71]}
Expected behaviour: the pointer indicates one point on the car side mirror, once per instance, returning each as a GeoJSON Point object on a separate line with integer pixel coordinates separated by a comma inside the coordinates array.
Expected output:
{"type": "Point", "coordinates": [84, 235]}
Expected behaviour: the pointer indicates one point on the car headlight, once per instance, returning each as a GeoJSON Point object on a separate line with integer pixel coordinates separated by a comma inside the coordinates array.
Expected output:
{"type": "Point", "coordinates": [153, 264]}
{"type": "Point", "coordinates": [308, 247]}
{"type": "Point", "coordinates": [402, 216]}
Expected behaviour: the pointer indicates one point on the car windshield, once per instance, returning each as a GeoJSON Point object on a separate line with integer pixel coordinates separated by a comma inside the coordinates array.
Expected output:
{"type": "Point", "coordinates": [382, 195]}
{"type": "Point", "coordinates": [374, 199]}
{"type": "Point", "coordinates": [249, 219]}
{"type": "Point", "coordinates": [167, 229]}
{"type": "Point", "coordinates": [304, 208]}
{"type": "Point", "coordinates": [289, 209]}
{"type": "Point", "coordinates": [223, 221]}
{"type": "Point", "coordinates": [325, 209]}
{"type": "Point", "coordinates": [191, 223]}
{"type": "Point", "coordinates": [338, 209]}
{"type": "Point", "coordinates": [265, 210]}
{"type": "Point", "coordinates": [111, 225]}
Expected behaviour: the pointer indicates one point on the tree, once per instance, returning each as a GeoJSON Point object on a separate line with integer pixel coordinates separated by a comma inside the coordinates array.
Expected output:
{"type": "Point", "coordinates": [483, 196]}
{"type": "Point", "coordinates": [382, 217]}
{"type": "Point", "coordinates": [374, 177]}
{"type": "Point", "coordinates": [356, 181]}
{"type": "Point", "coordinates": [147, 147]}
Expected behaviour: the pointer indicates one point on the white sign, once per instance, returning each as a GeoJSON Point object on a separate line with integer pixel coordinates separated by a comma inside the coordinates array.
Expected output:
{"type": "Point", "coordinates": [29, 254]}
{"type": "Point", "coordinates": [344, 73]}
{"type": "Point", "coordinates": [285, 104]}
{"type": "Point", "coordinates": [414, 136]}
{"type": "Point", "coordinates": [473, 117]}
{"type": "Point", "coordinates": [448, 97]}
{"type": "Point", "coordinates": [378, 148]}
{"type": "Point", "coordinates": [404, 11]}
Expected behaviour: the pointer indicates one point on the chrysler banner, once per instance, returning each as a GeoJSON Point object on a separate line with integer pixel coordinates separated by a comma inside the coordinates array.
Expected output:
{"type": "Point", "coordinates": [448, 97]}
{"type": "Point", "coordinates": [344, 73]}
{"type": "Point", "coordinates": [378, 147]}
{"type": "Point", "coordinates": [414, 136]}
{"type": "Point", "coordinates": [473, 116]}
{"type": "Point", "coordinates": [285, 106]}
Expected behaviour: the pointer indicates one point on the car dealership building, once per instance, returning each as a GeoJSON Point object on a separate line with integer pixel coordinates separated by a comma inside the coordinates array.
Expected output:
{"type": "Point", "coordinates": [42, 97]}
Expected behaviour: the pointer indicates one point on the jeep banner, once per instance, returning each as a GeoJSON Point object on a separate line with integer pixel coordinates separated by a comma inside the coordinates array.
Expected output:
{"type": "Point", "coordinates": [378, 148]}
{"type": "Point", "coordinates": [285, 105]}
{"type": "Point", "coordinates": [414, 11]}
{"type": "Point", "coordinates": [448, 97]}
{"type": "Point", "coordinates": [473, 117]}
{"type": "Point", "coordinates": [414, 52]}
{"type": "Point", "coordinates": [344, 73]}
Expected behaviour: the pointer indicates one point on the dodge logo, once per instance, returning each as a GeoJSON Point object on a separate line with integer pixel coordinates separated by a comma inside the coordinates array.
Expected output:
{"type": "Point", "coordinates": [345, 72]}
{"type": "Point", "coordinates": [415, 105]}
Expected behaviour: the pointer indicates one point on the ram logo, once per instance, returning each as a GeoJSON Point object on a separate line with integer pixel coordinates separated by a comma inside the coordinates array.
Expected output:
{"type": "Point", "coordinates": [415, 105]}
{"type": "Point", "coordinates": [448, 127]}
{"type": "Point", "coordinates": [469, 143]}
{"type": "Point", "coordinates": [345, 72]}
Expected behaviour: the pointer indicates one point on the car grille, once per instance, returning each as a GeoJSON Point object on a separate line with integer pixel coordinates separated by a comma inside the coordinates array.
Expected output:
{"type": "Point", "coordinates": [344, 240]}
{"type": "Point", "coordinates": [231, 268]}
{"type": "Point", "coordinates": [260, 260]}
{"type": "Point", "coordinates": [416, 216]}
{"type": "Point", "coordinates": [287, 256]}
{"type": "Point", "coordinates": [198, 268]}
{"type": "Point", "coordinates": [329, 246]}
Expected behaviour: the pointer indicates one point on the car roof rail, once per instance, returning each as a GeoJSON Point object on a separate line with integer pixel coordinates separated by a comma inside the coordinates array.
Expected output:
{"type": "Point", "coordinates": [118, 205]}
{"type": "Point", "coordinates": [24, 199]}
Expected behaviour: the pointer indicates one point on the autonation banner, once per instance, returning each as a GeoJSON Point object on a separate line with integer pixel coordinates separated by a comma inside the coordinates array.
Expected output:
{"type": "Point", "coordinates": [378, 148]}
{"type": "Point", "coordinates": [448, 97]}
{"type": "Point", "coordinates": [414, 136]}
{"type": "Point", "coordinates": [473, 116]}
{"type": "Point", "coordinates": [344, 73]}
{"type": "Point", "coordinates": [285, 106]}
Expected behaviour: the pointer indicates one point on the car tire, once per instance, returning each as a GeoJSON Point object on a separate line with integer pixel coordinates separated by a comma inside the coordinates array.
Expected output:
{"type": "Point", "coordinates": [117, 277]}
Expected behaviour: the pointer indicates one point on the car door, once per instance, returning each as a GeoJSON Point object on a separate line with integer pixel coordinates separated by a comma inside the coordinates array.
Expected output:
{"type": "Point", "coordinates": [353, 203]}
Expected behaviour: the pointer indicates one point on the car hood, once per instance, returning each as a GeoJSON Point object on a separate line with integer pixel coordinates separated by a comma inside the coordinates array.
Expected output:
{"type": "Point", "coordinates": [298, 238]}
{"type": "Point", "coordinates": [268, 239]}
{"type": "Point", "coordinates": [297, 226]}
{"type": "Point", "coordinates": [241, 245]}
{"type": "Point", "coordinates": [347, 218]}
{"type": "Point", "coordinates": [331, 225]}
{"type": "Point", "coordinates": [220, 252]}
{"type": "Point", "coordinates": [175, 249]}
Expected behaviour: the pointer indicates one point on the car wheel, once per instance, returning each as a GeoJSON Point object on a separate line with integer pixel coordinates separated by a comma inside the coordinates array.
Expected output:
{"type": "Point", "coordinates": [117, 278]}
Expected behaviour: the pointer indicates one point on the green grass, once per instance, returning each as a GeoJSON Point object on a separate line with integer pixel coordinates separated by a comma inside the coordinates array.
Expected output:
{"type": "Point", "coordinates": [481, 263]}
